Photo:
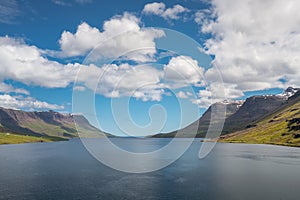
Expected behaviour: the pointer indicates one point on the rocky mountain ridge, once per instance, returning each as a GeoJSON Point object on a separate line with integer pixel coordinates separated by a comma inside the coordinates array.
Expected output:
{"type": "Point", "coordinates": [281, 127]}
{"type": "Point", "coordinates": [45, 124]}
{"type": "Point", "coordinates": [240, 114]}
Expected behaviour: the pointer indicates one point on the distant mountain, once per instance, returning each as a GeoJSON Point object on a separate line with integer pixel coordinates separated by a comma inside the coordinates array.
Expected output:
{"type": "Point", "coordinates": [282, 126]}
{"type": "Point", "coordinates": [46, 124]}
{"type": "Point", "coordinates": [240, 114]}
{"type": "Point", "coordinates": [254, 108]}
{"type": "Point", "coordinates": [203, 123]}
{"type": "Point", "coordinates": [290, 91]}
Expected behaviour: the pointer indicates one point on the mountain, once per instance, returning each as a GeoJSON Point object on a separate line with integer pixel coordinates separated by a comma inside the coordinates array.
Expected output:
{"type": "Point", "coordinates": [290, 91]}
{"type": "Point", "coordinates": [202, 124]}
{"type": "Point", "coordinates": [282, 126]}
{"type": "Point", "coordinates": [254, 108]}
{"type": "Point", "coordinates": [239, 114]}
{"type": "Point", "coordinates": [47, 124]}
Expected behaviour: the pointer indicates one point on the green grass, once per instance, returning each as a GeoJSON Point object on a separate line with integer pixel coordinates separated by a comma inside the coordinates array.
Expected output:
{"type": "Point", "coordinates": [8, 138]}
{"type": "Point", "coordinates": [59, 131]}
{"type": "Point", "coordinates": [41, 127]}
{"type": "Point", "coordinates": [271, 130]}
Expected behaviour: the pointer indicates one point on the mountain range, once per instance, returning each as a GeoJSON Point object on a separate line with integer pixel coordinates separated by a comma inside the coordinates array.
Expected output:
{"type": "Point", "coordinates": [245, 117]}
{"type": "Point", "coordinates": [48, 125]}
{"type": "Point", "coordinates": [273, 119]}
{"type": "Point", "coordinates": [281, 127]}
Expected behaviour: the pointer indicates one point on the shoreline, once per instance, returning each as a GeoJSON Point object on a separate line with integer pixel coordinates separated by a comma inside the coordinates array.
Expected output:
{"type": "Point", "coordinates": [266, 143]}
{"type": "Point", "coordinates": [23, 139]}
{"type": "Point", "coordinates": [245, 142]}
{"type": "Point", "coordinates": [10, 138]}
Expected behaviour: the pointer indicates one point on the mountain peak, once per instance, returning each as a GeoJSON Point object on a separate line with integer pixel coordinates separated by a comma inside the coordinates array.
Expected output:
{"type": "Point", "coordinates": [290, 91]}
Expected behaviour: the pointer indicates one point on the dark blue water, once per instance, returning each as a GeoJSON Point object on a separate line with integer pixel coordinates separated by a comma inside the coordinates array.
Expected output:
{"type": "Point", "coordinates": [65, 170]}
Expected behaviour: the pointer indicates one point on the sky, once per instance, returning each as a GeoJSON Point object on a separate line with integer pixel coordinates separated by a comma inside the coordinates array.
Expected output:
{"type": "Point", "coordinates": [144, 67]}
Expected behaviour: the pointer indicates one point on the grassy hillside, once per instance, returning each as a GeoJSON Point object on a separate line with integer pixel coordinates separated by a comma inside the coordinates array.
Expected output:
{"type": "Point", "coordinates": [43, 126]}
{"type": "Point", "coordinates": [8, 138]}
{"type": "Point", "coordinates": [280, 128]}
{"type": "Point", "coordinates": [254, 108]}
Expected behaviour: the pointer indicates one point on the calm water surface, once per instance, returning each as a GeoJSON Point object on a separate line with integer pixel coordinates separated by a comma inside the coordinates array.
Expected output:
{"type": "Point", "coordinates": [65, 170]}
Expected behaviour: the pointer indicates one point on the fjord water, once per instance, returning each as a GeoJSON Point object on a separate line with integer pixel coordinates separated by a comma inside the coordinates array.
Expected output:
{"type": "Point", "coordinates": [65, 170]}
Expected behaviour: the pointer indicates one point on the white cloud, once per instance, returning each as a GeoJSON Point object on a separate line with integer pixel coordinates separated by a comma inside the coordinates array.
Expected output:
{"type": "Point", "coordinates": [255, 43]}
{"type": "Point", "coordinates": [9, 10]}
{"type": "Point", "coordinates": [83, 1]}
{"type": "Point", "coordinates": [20, 102]}
{"type": "Point", "coordinates": [183, 71]}
{"type": "Point", "coordinates": [26, 64]}
{"type": "Point", "coordinates": [173, 13]}
{"type": "Point", "coordinates": [225, 91]}
{"type": "Point", "coordinates": [159, 9]}
{"type": "Point", "coordinates": [7, 88]}
{"type": "Point", "coordinates": [184, 95]}
{"type": "Point", "coordinates": [208, 96]}
{"type": "Point", "coordinates": [61, 2]}
{"type": "Point", "coordinates": [141, 82]}
{"type": "Point", "coordinates": [69, 3]}
{"type": "Point", "coordinates": [79, 88]}
{"type": "Point", "coordinates": [199, 17]}
{"type": "Point", "coordinates": [204, 99]}
{"type": "Point", "coordinates": [204, 18]}
{"type": "Point", "coordinates": [85, 39]}
{"type": "Point", "coordinates": [217, 92]}
{"type": "Point", "coordinates": [154, 8]}
{"type": "Point", "coordinates": [120, 35]}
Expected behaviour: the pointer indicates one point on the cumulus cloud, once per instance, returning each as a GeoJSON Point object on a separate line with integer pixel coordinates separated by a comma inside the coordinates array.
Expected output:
{"type": "Point", "coordinates": [184, 95]}
{"type": "Point", "coordinates": [7, 88]}
{"type": "Point", "coordinates": [20, 102]}
{"type": "Point", "coordinates": [216, 92]}
{"type": "Point", "coordinates": [159, 9]}
{"type": "Point", "coordinates": [183, 71]}
{"type": "Point", "coordinates": [120, 35]}
{"type": "Point", "coordinates": [255, 43]}
{"type": "Point", "coordinates": [143, 82]}
{"type": "Point", "coordinates": [204, 99]}
{"type": "Point", "coordinates": [26, 64]}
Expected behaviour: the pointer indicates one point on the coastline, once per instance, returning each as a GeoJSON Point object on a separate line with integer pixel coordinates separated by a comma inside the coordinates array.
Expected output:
{"type": "Point", "coordinates": [268, 143]}
{"type": "Point", "coordinates": [232, 141]}
{"type": "Point", "coordinates": [9, 138]}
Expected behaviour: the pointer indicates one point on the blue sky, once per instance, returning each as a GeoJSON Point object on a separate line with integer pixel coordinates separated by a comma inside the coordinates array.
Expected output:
{"type": "Point", "coordinates": [174, 58]}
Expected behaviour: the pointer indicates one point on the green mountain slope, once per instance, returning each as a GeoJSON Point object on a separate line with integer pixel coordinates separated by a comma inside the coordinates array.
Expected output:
{"type": "Point", "coordinates": [281, 127]}
{"type": "Point", "coordinates": [46, 125]}
{"type": "Point", "coordinates": [8, 138]}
